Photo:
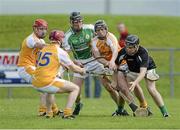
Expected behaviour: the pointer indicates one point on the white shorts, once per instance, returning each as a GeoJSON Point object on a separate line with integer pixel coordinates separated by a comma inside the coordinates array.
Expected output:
{"type": "Point", "coordinates": [51, 88]}
{"type": "Point", "coordinates": [23, 73]}
{"type": "Point", "coordinates": [150, 74]}
{"type": "Point", "coordinates": [93, 66]}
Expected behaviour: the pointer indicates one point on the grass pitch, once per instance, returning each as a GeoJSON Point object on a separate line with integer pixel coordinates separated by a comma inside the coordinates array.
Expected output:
{"type": "Point", "coordinates": [21, 112]}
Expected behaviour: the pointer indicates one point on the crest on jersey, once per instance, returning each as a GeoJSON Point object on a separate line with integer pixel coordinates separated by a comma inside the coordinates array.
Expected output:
{"type": "Point", "coordinates": [87, 36]}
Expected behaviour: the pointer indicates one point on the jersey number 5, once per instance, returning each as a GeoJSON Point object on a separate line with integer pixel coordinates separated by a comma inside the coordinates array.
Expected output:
{"type": "Point", "coordinates": [43, 58]}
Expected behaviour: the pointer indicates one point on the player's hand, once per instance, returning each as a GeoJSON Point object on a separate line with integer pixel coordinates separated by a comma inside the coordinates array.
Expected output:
{"type": "Point", "coordinates": [78, 63]}
{"type": "Point", "coordinates": [112, 66]}
{"type": "Point", "coordinates": [133, 85]}
{"type": "Point", "coordinates": [83, 71]}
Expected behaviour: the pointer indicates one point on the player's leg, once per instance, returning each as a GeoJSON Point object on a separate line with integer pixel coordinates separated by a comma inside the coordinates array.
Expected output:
{"type": "Point", "coordinates": [79, 82]}
{"type": "Point", "coordinates": [49, 102]}
{"type": "Point", "coordinates": [73, 90]}
{"type": "Point", "coordinates": [131, 76]}
{"type": "Point", "coordinates": [120, 110]}
{"type": "Point", "coordinates": [128, 97]}
{"type": "Point", "coordinates": [25, 73]}
{"type": "Point", "coordinates": [55, 109]}
{"type": "Point", "coordinates": [140, 95]}
{"type": "Point", "coordinates": [141, 98]}
{"type": "Point", "coordinates": [109, 85]}
{"type": "Point", "coordinates": [52, 109]}
{"type": "Point", "coordinates": [156, 97]}
{"type": "Point", "coordinates": [42, 104]}
{"type": "Point", "coordinates": [111, 88]}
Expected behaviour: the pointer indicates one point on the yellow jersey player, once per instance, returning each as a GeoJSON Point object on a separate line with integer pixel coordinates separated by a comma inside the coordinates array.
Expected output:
{"type": "Point", "coordinates": [28, 54]}
{"type": "Point", "coordinates": [50, 59]}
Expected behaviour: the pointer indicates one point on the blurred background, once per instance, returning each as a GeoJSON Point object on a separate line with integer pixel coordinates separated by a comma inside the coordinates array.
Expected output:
{"type": "Point", "coordinates": [118, 7]}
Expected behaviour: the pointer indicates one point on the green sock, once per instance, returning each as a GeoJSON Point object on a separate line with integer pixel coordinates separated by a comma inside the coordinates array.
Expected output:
{"type": "Point", "coordinates": [120, 108]}
{"type": "Point", "coordinates": [163, 109]}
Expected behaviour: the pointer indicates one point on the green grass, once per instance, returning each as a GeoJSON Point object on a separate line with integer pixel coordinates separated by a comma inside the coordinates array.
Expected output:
{"type": "Point", "coordinates": [154, 32]}
{"type": "Point", "coordinates": [21, 113]}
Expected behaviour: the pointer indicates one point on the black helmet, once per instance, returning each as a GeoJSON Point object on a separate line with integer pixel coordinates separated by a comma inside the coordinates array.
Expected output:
{"type": "Point", "coordinates": [100, 24]}
{"type": "Point", "coordinates": [75, 16]}
{"type": "Point", "coordinates": [132, 40]}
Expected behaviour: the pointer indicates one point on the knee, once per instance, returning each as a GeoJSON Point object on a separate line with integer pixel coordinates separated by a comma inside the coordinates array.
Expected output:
{"type": "Point", "coordinates": [109, 88]}
{"type": "Point", "coordinates": [76, 88]}
{"type": "Point", "coordinates": [152, 89]}
{"type": "Point", "coordinates": [124, 90]}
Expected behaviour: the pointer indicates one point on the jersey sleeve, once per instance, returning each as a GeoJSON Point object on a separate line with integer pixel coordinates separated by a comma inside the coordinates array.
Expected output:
{"type": "Point", "coordinates": [112, 41]}
{"type": "Point", "coordinates": [65, 44]}
{"type": "Point", "coordinates": [88, 26]}
{"type": "Point", "coordinates": [144, 59]}
{"type": "Point", "coordinates": [30, 42]}
{"type": "Point", "coordinates": [93, 43]}
{"type": "Point", "coordinates": [64, 57]}
{"type": "Point", "coordinates": [120, 56]}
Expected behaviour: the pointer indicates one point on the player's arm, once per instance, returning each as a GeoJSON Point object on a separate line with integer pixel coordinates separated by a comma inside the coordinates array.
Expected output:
{"type": "Point", "coordinates": [143, 69]}
{"type": "Point", "coordinates": [66, 62]}
{"type": "Point", "coordinates": [65, 45]}
{"type": "Point", "coordinates": [77, 69]}
{"type": "Point", "coordinates": [113, 43]}
{"type": "Point", "coordinates": [31, 43]}
{"type": "Point", "coordinates": [96, 54]}
{"type": "Point", "coordinates": [114, 49]}
{"type": "Point", "coordinates": [39, 45]}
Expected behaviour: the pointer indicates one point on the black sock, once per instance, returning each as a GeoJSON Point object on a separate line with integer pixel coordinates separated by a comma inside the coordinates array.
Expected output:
{"type": "Point", "coordinates": [133, 107]}
{"type": "Point", "coordinates": [120, 108]}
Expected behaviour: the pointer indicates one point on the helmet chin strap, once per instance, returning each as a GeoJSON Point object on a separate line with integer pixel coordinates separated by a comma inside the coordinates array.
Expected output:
{"type": "Point", "coordinates": [136, 47]}
{"type": "Point", "coordinates": [103, 38]}
{"type": "Point", "coordinates": [43, 35]}
{"type": "Point", "coordinates": [76, 30]}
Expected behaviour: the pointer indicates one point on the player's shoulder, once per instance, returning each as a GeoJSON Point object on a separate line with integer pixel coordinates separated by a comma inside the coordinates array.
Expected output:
{"type": "Point", "coordinates": [88, 26]}
{"type": "Point", "coordinates": [111, 39]}
{"type": "Point", "coordinates": [111, 36]}
{"type": "Point", "coordinates": [30, 37]}
{"type": "Point", "coordinates": [142, 50]}
{"type": "Point", "coordinates": [61, 51]}
{"type": "Point", "coordinates": [68, 33]}
{"type": "Point", "coordinates": [31, 40]}
{"type": "Point", "coordinates": [95, 40]}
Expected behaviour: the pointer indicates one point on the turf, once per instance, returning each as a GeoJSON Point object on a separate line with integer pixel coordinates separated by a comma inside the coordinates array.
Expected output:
{"type": "Point", "coordinates": [21, 113]}
{"type": "Point", "coordinates": [154, 31]}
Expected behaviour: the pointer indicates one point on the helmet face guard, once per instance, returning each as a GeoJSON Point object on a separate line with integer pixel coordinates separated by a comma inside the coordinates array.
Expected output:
{"type": "Point", "coordinates": [76, 21]}
{"type": "Point", "coordinates": [101, 29]}
{"type": "Point", "coordinates": [100, 24]}
{"type": "Point", "coordinates": [40, 27]}
{"type": "Point", "coordinates": [132, 44]}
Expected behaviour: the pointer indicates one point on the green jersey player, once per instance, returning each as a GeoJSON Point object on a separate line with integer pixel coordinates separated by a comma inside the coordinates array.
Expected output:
{"type": "Point", "coordinates": [77, 40]}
